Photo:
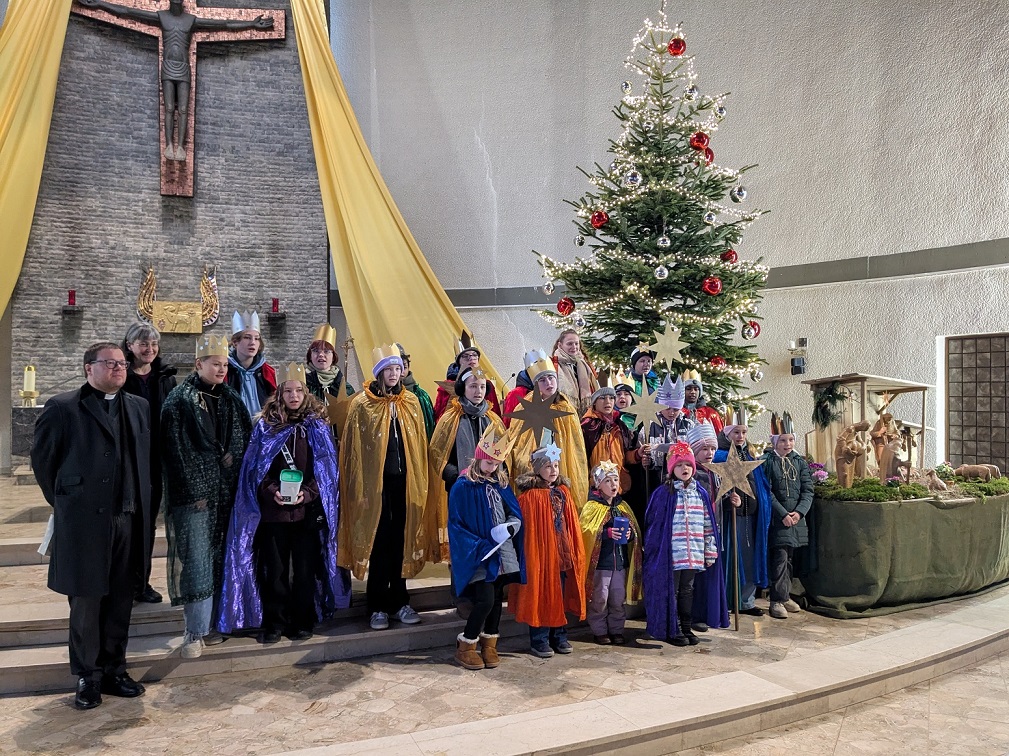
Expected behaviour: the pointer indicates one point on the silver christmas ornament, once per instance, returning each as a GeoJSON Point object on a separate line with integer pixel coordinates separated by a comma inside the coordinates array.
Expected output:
{"type": "Point", "coordinates": [720, 112]}
{"type": "Point", "coordinates": [549, 287]}
{"type": "Point", "coordinates": [756, 375]}
{"type": "Point", "coordinates": [613, 167]}
{"type": "Point", "coordinates": [690, 93]}
{"type": "Point", "coordinates": [649, 125]}
{"type": "Point", "coordinates": [709, 218]}
{"type": "Point", "coordinates": [663, 242]}
{"type": "Point", "coordinates": [632, 179]}
{"type": "Point", "coordinates": [578, 320]}
{"type": "Point", "coordinates": [662, 272]}
{"type": "Point", "coordinates": [579, 241]}
{"type": "Point", "coordinates": [738, 193]}
{"type": "Point", "coordinates": [626, 87]}
{"type": "Point", "coordinates": [749, 332]}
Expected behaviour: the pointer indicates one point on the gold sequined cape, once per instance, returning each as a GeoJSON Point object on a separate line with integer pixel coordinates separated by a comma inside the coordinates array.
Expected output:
{"type": "Point", "coordinates": [362, 461]}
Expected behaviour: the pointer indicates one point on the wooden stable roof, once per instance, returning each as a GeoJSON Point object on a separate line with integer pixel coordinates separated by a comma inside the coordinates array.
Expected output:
{"type": "Point", "coordinates": [876, 384]}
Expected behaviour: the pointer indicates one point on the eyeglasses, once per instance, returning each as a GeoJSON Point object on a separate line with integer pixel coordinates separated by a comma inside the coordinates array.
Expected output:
{"type": "Point", "coordinates": [111, 364]}
{"type": "Point", "coordinates": [145, 344]}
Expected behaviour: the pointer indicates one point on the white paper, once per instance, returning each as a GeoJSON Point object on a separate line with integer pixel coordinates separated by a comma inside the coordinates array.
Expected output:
{"type": "Point", "coordinates": [44, 547]}
{"type": "Point", "coordinates": [490, 553]}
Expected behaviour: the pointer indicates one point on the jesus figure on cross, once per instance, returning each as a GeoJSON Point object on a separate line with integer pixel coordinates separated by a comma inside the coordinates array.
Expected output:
{"type": "Point", "coordinates": [177, 29]}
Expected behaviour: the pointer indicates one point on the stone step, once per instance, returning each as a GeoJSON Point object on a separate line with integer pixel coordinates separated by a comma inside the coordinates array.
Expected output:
{"type": "Point", "coordinates": [38, 669]}
{"type": "Point", "coordinates": [23, 476]}
{"type": "Point", "coordinates": [15, 552]}
{"type": "Point", "coordinates": [47, 623]}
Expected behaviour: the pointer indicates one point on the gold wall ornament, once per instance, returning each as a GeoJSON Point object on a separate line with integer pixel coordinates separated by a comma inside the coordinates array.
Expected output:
{"type": "Point", "coordinates": [178, 317]}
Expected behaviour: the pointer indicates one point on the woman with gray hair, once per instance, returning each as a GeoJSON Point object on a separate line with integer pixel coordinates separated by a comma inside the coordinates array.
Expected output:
{"type": "Point", "coordinates": [146, 376]}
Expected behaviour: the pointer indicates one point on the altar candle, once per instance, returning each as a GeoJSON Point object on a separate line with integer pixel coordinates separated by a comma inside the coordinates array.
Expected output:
{"type": "Point", "coordinates": [276, 304]}
{"type": "Point", "coordinates": [29, 384]}
{"type": "Point", "coordinates": [72, 297]}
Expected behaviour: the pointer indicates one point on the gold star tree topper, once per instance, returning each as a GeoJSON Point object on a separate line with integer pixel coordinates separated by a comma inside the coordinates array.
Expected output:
{"type": "Point", "coordinates": [668, 346]}
{"type": "Point", "coordinates": [537, 415]}
{"type": "Point", "coordinates": [734, 473]}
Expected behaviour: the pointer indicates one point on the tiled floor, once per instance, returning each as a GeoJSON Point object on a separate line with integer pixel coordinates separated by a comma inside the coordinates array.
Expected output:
{"type": "Point", "coordinates": [966, 712]}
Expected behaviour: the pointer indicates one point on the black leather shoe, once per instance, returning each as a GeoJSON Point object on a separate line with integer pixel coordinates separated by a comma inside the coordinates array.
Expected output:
{"type": "Point", "coordinates": [699, 627]}
{"type": "Point", "coordinates": [300, 635]}
{"type": "Point", "coordinates": [149, 596]}
{"type": "Point", "coordinates": [122, 685]}
{"type": "Point", "coordinates": [271, 636]}
{"type": "Point", "coordinates": [89, 694]}
{"type": "Point", "coordinates": [753, 611]}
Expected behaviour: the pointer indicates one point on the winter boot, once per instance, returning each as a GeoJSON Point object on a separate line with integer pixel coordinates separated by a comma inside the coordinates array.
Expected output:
{"type": "Point", "coordinates": [687, 631]}
{"type": "Point", "coordinates": [466, 653]}
{"type": "Point", "coordinates": [488, 650]}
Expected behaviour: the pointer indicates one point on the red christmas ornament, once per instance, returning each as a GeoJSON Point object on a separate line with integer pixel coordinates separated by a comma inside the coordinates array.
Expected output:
{"type": "Point", "coordinates": [599, 218]}
{"type": "Point", "coordinates": [730, 256]}
{"type": "Point", "coordinates": [565, 306]}
{"type": "Point", "coordinates": [677, 46]}
{"type": "Point", "coordinates": [717, 361]}
{"type": "Point", "coordinates": [756, 328]}
{"type": "Point", "coordinates": [709, 156]}
{"type": "Point", "coordinates": [712, 285]}
{"type": "Point", "coordinates": [699, 141]}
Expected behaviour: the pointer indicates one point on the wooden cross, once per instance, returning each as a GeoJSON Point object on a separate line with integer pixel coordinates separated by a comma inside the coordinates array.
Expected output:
{"type": "Point", "coordinates": [210, 25]}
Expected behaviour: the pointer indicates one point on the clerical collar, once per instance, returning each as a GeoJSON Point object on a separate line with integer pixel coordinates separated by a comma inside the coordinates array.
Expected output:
{"type": "Point", "coordinates": [110, 397]}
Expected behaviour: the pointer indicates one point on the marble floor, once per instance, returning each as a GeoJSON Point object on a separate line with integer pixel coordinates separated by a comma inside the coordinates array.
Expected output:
{"type": "Point", "coordinates": [966, 712]}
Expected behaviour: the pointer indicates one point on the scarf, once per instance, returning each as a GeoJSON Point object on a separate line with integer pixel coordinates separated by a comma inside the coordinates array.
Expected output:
{"type": "Point", "coordinates": [465, 440]}
{"type": "Point", "coordinates": [410, 383]}
{"type": "Point", "coordinates": [575, 377]}
{"type": "Point", "coordinates": [249, 390]}
{"type": "Point", "coordinates": [326, 377]}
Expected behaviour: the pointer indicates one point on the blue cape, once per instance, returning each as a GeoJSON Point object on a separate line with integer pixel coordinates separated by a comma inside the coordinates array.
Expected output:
{"type": "Point", "coordinates": [241, 605]}
{"type": "Point", "coordinates": [660, 598]}
{"type": "Point", "coordinates": [469, 523]}
{"type": "Point", "coordinates": [711, 604]}
{"type": "Point", "coordinates": [756, 572]}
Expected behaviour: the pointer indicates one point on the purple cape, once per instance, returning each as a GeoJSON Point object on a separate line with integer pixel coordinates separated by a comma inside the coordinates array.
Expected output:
{"type": "Point", "coordinates": [241, 605]}
{"type": "Point", "coordinates": [660, 598]}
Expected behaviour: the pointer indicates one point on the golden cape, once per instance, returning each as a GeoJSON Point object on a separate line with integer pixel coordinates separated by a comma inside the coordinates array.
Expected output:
{"type": "Point", "coordinates": [362, 461]}
{"type": "Point", "coordinates": [593, 516]}
{"type": "Point", "coordinates": [442, 443]}
{"type": "Point", "coordinates": [574, 465]}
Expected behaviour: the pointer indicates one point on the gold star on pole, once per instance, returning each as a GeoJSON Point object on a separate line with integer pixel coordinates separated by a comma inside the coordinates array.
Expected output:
{"type": "Point", "coordinates": [537, 415]}
{"type": "Point", "coordinates": [732, 473]}
{"type": "Point", "coordinates": [668, 346]}
{"type": "Point", "coordinates": [449, 386]}
{"type": "Point", "coordinates": [644, 408]}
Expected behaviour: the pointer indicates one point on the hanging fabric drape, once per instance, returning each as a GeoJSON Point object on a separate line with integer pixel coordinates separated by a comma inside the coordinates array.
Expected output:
{"type": "Point", "coordinates": [388, 291]}
{"type": "Point", "coordinates": [31, 44]}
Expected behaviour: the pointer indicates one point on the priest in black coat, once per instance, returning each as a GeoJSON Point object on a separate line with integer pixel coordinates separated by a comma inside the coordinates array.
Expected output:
{"type": "Point", "coordinates": [91, 457]}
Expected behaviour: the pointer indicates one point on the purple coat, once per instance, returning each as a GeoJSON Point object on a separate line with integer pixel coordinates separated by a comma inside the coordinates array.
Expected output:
{"type": "Point", "coordinates": [711, 604]}
{"type": "Point", "coordinates": [660, 598]}
{"type": "Point", "coordinates": [241, 605]}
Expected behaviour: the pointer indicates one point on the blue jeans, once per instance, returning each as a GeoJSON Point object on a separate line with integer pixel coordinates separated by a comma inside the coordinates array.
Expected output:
{"type": "Point", "coordinates": [540, 637]}
{"type": "Point", "coordinates": [197, 616]}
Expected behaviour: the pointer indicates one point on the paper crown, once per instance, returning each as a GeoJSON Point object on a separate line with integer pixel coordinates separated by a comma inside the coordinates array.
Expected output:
{"type": "Point", "coordinates": [605, 470]}
{"type": "Point", "coordinates": [211, 346]}
{"type": "Point", "coordinates": [245, 321]}
{"type": "Point", "coordinates": [326, 333]}
{"type": "Point", "coordinates": [701, 431]}
{"type": "Point", "coordinates": [537, 363]}
{"type": "Point", "coordinates": [292, 371]}
{"type": "Point", "coordinates": [465, 344]}
{"type": "Point", "coordinates": [383, 357]}
{"type": "Point", "coordinates": [670, 394]}
{"type": "Point", "coordinates": [692, 378]}
{"type": "Point", "coordinates": [550, 452]}
{"type": "Point", "coordinates": [736, 416]}
{"type": "Point", "coordinates": [490, 447]}
{"type": "Point", "coordinates": [623, 380]}
{"type": "Point", "coordinates": [468, 373]}
{"type": "Point", "coordinates": [641, 350]}
{"type": "Point", "coordinates": [781, 424]}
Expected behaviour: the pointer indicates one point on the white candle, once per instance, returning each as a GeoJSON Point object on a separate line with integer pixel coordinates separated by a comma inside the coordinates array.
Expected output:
{"type": "Point", "coordinates": [29, 378]}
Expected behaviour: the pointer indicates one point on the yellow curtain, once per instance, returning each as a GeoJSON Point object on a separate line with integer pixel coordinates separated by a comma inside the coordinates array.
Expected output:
{"type": "Point", "coordinates": [388, 290]}
{"type": "Point", "coordinates": [31, 44]}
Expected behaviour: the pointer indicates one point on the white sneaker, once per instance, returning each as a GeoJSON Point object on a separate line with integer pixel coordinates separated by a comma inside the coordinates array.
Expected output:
{"type": "Point", "coordinates": [379, 621]}
{"type": "Point", "coordinates": [192, 647]}
{"type": "Point", "coordinates": [778, 610]}
{"type": "Point", "coordinates": [792, 606]}
{"type": "Point", "coordinates": [407, 616]}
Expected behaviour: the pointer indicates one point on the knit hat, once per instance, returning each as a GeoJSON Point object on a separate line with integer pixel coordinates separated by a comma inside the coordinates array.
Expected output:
{"type": "Point", "coordinates": [601, 392]}
{"type": "Point", "coordinates": [549, 452]}
{"type": "Point", "coordinates": [605, 470]}
{"type": "Point", "coordinates": [700, 432]}
{"type": "Point", "coordinates": [385, 356]}
{"type": "Point", "coordinates": [692, 378]}
{"type": "Point", "coordinates": [680, 452]}
{"type": "Point", "coordinates": [638, 352]}
{"type": "Point", "coordinates": [670, 394]}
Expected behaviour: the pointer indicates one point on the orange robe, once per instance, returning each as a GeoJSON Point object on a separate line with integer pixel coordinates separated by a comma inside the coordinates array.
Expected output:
{"type": "Point", "coordinates": [540, 602]}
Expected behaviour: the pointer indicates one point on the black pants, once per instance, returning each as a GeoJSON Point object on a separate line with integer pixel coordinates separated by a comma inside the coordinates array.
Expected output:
{"type": "Point", "coordinates": [386, 584]}
{"type": "Point", "coordinates": [683, 584]}
{"type": "Point", "coordinates": [145, 572]}
{"type": "Point", "coordinates": [100, 625]}
{"type": "Point", "coordinates": [287, 554]}
{"type": "Point", "coordinates": [486, 614]}
{"type": "Point", "coordinates": [781, 573]}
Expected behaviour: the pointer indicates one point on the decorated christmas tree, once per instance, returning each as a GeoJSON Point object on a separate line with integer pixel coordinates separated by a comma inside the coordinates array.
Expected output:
{"type": "Point", "coordinates": [662, 223]}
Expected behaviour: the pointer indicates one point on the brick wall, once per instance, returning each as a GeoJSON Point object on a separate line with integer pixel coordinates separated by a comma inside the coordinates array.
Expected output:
{"type": "Point", "coordinates": [100, 218]}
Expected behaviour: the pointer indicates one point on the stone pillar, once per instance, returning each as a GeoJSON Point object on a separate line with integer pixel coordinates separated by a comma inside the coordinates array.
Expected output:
{"type": "Point", "coordinates": [5, 386]}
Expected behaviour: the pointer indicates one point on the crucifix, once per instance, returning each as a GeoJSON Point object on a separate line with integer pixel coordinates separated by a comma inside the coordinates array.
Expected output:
{"type": "Point", "coordinates": [179, 30]}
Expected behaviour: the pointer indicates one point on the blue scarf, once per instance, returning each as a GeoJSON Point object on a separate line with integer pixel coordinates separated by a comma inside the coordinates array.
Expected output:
{"type": "Point", "coordinates": [249, 390]}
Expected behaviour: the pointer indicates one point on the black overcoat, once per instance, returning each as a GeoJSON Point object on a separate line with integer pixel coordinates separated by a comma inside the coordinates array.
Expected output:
{"type": "Point", "coordinates": [74, 458]}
